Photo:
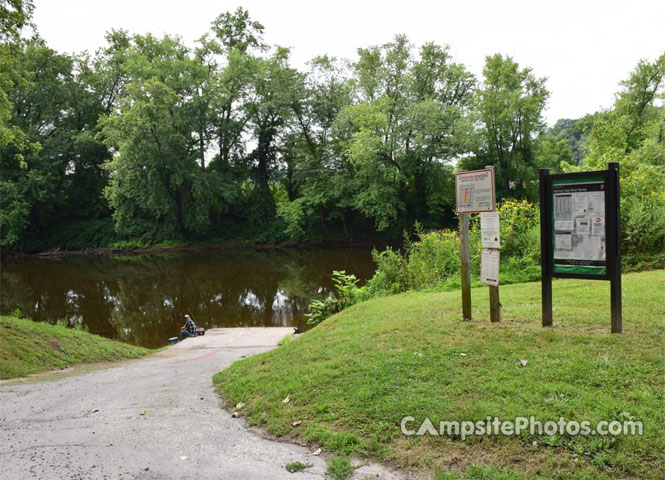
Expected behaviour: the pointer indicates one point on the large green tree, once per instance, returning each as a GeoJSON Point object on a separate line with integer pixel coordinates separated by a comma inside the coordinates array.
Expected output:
{"type": "Point", "coordinates": [159, 186]}
{"type": "Point", "coordinates": [385, 157]}
{"type": "Point", "coordinates": [632, 133]}
{"type": "Point", "coordinates": [53, 106]}
{"type": "Point", "coordinates": [510, 105]}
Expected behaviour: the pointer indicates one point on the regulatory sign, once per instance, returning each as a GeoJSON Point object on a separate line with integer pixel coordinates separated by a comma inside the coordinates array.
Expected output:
{"type": "Point", "coordinates": [475, 191]}
{"type": "Point", "coordinates": [489, 230]}
{"type": "Point", "coordinates": [489, 267]}
{"type": "Point", "coordinates": [578, 226]}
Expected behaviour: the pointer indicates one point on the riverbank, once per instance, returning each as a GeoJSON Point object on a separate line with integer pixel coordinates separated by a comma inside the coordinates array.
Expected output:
{"type": "Point", "coordinates": [351, 380]}
{"type": "Point", "coordinates": [184, 247]}
{"type": "Point", "coordinates": [28, 347]}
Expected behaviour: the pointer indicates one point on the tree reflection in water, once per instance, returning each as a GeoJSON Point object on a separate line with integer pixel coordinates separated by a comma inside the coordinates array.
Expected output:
{"type": "Point", "coordinates": [142, 299]}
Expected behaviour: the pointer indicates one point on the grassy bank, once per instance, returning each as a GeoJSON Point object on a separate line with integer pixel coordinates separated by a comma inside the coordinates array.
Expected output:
{"type": "Point", "coordinates": [28, 347]}
{"type": "Point", "coordinates": [353, 378]}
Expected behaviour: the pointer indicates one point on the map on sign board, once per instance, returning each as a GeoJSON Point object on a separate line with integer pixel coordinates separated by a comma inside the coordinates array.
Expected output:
{"type": "Point", "coordinates": [578, 211]}
{"type": "Point", "coordinates": [489, 267]}
{"type": "Point", "coordinates": [474, 191]}
{"type": "Point", "coordinates": [489, 230]}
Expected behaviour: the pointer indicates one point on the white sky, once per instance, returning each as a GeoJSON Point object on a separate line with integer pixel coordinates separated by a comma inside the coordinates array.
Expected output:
{"type": "Point", "coordinates": [584, 48]}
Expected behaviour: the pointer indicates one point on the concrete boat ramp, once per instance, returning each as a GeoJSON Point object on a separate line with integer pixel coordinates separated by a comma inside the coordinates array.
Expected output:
{"type": "Point", "coordinates": [153, 418]}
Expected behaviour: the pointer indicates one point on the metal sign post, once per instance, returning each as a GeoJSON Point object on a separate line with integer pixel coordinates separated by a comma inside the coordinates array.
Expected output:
{"type": "Point", "coordinates": [579, 233]}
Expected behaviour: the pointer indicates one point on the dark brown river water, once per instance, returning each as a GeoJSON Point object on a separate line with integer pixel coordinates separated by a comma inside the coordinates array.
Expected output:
{"type": "Point", "coordinates": [142, 299]}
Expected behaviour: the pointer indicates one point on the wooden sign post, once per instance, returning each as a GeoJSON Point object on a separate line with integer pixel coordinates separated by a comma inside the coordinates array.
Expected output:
{"type": "Point", "coordinates": [490, 239]}
{"type": "Point", "coordinates": [474, 193]}
{"type": "Point", "coordinates": [579, 233]}
{"type": "Point", "coordinates": [465, 265]}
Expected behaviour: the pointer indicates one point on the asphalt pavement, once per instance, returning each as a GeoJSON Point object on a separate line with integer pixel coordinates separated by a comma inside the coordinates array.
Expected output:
{"type": "Point", "coordinates": [153, 418]}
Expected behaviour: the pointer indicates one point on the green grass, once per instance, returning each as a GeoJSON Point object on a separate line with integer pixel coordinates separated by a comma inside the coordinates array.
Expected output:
{"type": "Point", "coordinates": [354, 377]}
{"type": "Point", "coordinates": [339, 468]}
{"type": "Point", "coordinates": [28, 347]}
{"type": "Point", "coordinates": [294, 467]}
{"type": "Point", "coordinates": [284, 341]}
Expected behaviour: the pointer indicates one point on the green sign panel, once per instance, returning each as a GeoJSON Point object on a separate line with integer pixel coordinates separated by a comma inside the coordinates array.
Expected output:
{"type": "Point", "coordinates": [579, 232]}
{"type": "Point", "coordinates": [579, 243]}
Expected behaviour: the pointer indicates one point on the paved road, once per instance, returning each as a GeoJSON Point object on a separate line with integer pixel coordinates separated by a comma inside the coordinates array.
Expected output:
{"type": "Point", "coordinates": [89, 426]}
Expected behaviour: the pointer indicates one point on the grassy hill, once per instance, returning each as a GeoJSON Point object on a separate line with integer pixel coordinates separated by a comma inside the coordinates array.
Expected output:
{"type": "Point", "coordinates": [31, 347]}
{"type": "Point", "coordinates": [352, 379]}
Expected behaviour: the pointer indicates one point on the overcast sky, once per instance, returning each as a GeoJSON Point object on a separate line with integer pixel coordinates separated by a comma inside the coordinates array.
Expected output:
{"type": "Point", "coordinates": [584, 48]}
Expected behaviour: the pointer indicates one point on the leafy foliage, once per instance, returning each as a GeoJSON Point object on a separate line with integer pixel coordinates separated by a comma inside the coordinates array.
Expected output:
{"type": "Point", "coordinates": [227, 140]}
{"type": "Point", "coordinates": [294, 467]}
{"type": "Point", "coordinates": [433, 261]}
{"type": "Point", "coordinates": [510, 107]}
{"type": "Point", "coordinates": [347, 294]}
{"type": "Point", "coordinates": [633, 134]}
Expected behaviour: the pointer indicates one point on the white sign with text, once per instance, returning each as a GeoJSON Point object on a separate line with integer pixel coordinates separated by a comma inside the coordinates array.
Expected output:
{"type": "Point", "coordinates": [489, 267]}
{"type": "Point", "coordinates": [474, 191]}
{"type": "Point", "coordinates": [489, 230]}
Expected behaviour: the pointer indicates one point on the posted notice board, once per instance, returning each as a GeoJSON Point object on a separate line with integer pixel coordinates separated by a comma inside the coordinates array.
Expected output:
{"type": "Point", "coordinates": [579, 240]}
{"type": "Point", "coordinates": [474, 191]}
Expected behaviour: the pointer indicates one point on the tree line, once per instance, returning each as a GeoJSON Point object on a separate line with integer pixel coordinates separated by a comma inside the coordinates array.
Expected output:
{"type": "Point", "coordinates": [148, 139]}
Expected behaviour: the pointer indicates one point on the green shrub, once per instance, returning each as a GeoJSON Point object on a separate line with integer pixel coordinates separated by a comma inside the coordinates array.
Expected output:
{"type": "Point", "coordinates": [347, 294]}
{"type": "Point", "coordinates": [391, 274]}
{"type": "Point", "coordinates": [642, 210]}
{"type": "Point", "coordinates": [434, 259]}
{"type": "Point", "coordinates": [73, 235]}
{"type": "Point", "coordinates": [520, 228]}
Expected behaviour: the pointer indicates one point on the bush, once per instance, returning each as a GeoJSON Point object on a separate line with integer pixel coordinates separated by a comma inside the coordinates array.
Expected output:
{"type": "Point", "coordinates": [642, 210]}
{"type": "Point", "coordinates": [434, 260]}
{"type": "Point", "coordinates": [520, 229]}
{"type": "Point", "coordinates": [73, 235]}
{"type": "Point", "coordinates": [390, 276]}
{"type": "Point", "coordinates": [347, 294]}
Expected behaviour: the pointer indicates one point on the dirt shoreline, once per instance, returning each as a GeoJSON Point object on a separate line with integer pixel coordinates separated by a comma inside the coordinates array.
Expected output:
{"type": "Point", "coordinates": [196, 247]}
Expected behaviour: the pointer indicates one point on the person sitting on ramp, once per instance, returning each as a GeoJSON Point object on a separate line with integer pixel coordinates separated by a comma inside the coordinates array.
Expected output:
{"type": "Point", "coordinates": [189, 329]}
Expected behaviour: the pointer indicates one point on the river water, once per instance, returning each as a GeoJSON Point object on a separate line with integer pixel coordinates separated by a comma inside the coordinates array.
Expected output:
{"type": "Point", "coordinates": [142, 299]}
